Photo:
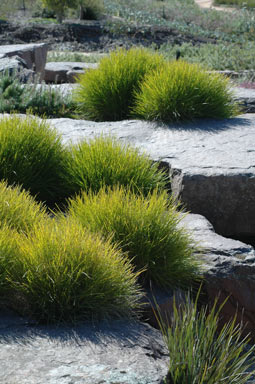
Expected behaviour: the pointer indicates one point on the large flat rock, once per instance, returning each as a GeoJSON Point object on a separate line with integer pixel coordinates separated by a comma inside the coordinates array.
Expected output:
{"type": "Point", "coordinates": [121, 352]}
{"type": "Point", "coordinates": [65, 72]}
{"type": "Point", "coordinates": [212, 163]}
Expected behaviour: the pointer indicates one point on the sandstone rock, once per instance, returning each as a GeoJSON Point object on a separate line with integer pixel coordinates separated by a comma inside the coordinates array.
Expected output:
{"type": "Point", "coordinates": [65, 72]}
{"type": "Point", "coordinates": [111, 352]}
{"type": "Point", "coordinates": [229, 271]}
{"type": "Point", "coordinates": [33, 54]}
{"type": "Point", "coordinates": [212, 163]}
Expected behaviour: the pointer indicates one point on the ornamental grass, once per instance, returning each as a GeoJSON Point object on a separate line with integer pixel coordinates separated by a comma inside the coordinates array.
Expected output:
{"type": "Point", "coordinates": [32, 156]}
{"type": "Point", "coordinates": [65, 274]}
{"type": "Point", "coordinates": [105, 161]}
{"type": "Point", "coordinates": [107, 93]}
{"type": "Point", "coordinates": [200, 352]}
{"type": "Point", "coordinates": [145, 227]}
{"type": "Point", "coordinates": [18, 209]}
{"type": "Point", "coordinates": [184, 91]}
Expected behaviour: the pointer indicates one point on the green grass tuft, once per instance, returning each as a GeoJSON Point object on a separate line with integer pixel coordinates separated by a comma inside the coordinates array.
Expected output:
{"type": "Point", "coordinates": [65, 274]}
{"type": "Point", "coordinates": [31, 155]}
{"type": "Point", "coordinates": [9, 246]}
{"type": "Point", "coordinates": [146, 228]}
{"type": "Point", "coordinates": [107, 161]}
{"type": "Point", "coordinates": [201, 353]}
{"type": "Point", "coordinates": [183, 91]}
{"type": "Point", "coordinates": [18, 209]}
{"type": "Point", "coordinates": [107, 93]}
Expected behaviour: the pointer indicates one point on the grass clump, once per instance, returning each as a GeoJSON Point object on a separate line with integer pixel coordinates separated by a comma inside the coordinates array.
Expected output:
{"type": "Point", "coordinates": [146, 228]}
{"type": "Point", "coordinates": [107, 161]}
{"type": "Point", "coordinates": [107, 93]}
{"type": "Point", "coordinates": [201, 353]}
{"type": "Point", "coordinates": [66, 274]}
{"type": "Point", "coordinates": [183, 91]}
{"type": "Point", "coordinates": [31, 155]}
{"type": "Point", "coordinates": [9, 246]}
{"type": "Point", "coordinates": [18, 209]}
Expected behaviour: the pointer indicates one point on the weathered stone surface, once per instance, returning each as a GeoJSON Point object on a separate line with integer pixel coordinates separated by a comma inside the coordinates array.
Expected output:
{"type": "Point", "coordinates": [16, 66]}
{"type": "Point", "coordinates": [65, 72]}
{"type": "Point", "coordinates": [212, 163]}
{"type": "Point", "coordinates": [33, 54]}
{"type": "Point", "coordinates": [115, 352]}
{"type": "Point", "coordinates": [246, 99]}
{"type": "Point", "coordinates": [229, 271]}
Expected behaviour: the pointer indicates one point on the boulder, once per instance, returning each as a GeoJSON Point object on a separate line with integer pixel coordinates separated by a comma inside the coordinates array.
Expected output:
{"type": "Point", "coordinates": [16, 66]}
{"type": "Point", "coordinates": [229, 268]}
{"type": "Point", "coordinates": [65, 72]}
{"type": "Point", "coordinates": [211, 162]}
{"type": "Point", "coordinates": [245, 98]}
{"type": "Point", "coordinates": [120, 351]}
{"type": "Point", "coordinates": [33, 54]}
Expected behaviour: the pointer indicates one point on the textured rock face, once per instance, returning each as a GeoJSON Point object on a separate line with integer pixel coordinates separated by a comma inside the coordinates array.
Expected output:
{"type": "Point", "coordinates": [33, 54]}
{"type": "Point", "coordinates": [115, 352]}
{"type": "Point", "coordinates": [66, 72]}
{"type": "Point", "coordinates": [212, 163]}
{"type": "Point", "coordinates": [229, 271]}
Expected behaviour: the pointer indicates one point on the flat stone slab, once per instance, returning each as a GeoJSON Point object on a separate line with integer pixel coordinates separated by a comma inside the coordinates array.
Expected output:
{"type": "Point", "coordinates": [65, 72]}
{"type": "Point", "coordinates": [108, 353]}
{"type": "Point", "coordinates": [212, 162]}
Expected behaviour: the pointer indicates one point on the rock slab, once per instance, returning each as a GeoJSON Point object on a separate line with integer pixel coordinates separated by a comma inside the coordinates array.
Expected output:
{"type": "Point", "coordinates": [116, 352]}
{"type": "Point", "coordinates": [65, 72]}
{"type": "Point", "coordinates": [211, 162]}
{"type": "Point", "coordinates": [33, 54]}
{"type": "Point", "coordinates": [229, 270]}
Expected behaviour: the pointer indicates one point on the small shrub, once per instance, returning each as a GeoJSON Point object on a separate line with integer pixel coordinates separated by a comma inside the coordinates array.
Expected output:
{"type": "Point", "coordinates": [92, 9]}
{"type": "Point", "coordinates": [182, 91]}
{"type": "Point", "coordinates": [146, 228]}
{"type": "Point", "coordinates": [107, 161]}
{"type": "Point", "coordinates": [107, 93]}
{"type": "Point", "coordinates": [31, 155]}
{"type": "Point", "coordinates": [19, 210]}
{"type": "Point", "coordinates": [200, 353]}
{"type": "Point", "coordinates": [35, 98]}
{"type": "Point", "coordinates": [66, 274]}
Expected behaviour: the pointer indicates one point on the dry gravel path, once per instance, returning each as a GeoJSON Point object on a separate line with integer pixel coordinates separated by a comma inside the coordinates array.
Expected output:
{"type": "Point", "coordinates": [209, 4]}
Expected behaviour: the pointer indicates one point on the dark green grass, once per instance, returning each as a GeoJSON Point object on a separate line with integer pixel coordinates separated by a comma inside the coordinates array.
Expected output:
{"type": "Point", "coordinates": [200, 352]}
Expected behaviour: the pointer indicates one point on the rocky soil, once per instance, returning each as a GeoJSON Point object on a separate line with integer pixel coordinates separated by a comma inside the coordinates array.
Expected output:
{"type": "Point", "coordinates": [91, 35]}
